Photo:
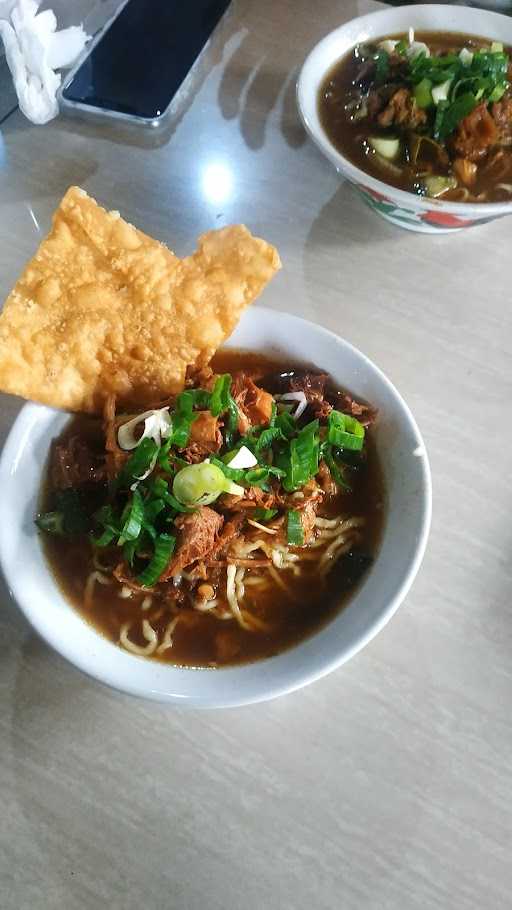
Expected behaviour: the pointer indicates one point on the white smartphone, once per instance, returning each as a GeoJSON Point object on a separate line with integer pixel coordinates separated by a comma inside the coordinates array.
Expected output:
{"type": "Point", "coordinates": [136, 64]}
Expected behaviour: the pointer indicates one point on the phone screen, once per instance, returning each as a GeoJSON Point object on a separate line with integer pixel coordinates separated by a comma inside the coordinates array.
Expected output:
{"type": "Point", "coordinates": [141, 61]}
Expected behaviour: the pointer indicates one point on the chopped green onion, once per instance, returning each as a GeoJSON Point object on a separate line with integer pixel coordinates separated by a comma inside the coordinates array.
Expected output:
{"type": "Point", "coordinates": [129, 549]}
{"type": "Point", "coordinates": [200, 398]}
{"type": "Point", "coordinates": [301, 461]}
{"type": "Point", "coordinates": [381, 58]}
{"type": "Point", "coordinates": [219, 402]}
{"type": "Point", "coordinates": [182, 420]}
{"type": "Point", "coordinates": [132, 519]}
{"type": "Point", "coordinates": [335, 469]}
{"type": "Point", "coordinates": [295, 530]}
{"type": "Point", "coordinates": [105, 538]}
{"type": "Point", "coordinates": [164, 547]}
{"type": "Point", "coordinates": [454, 113]}
{"type": "Point", "coordinates": [185, 402]}
{"type": "Point", "coordinates": [496, 47]}
{"type": "Point", "coordinates": [263, 514]}
{"type": "Point", "coordinates": [267, 437]}
{"type": "Point", "coordinates": [173, 502]}
{"type": "Point", "coordinates": [159, 489]}
{"type": "Point", "coordinates": [138, 463]}
{"type": "Point", "coordinates": [149, 531]}
{"type": "Point", "coordinates": [256, 476]}
{"type": "Point", "coordinates": [287, 424]}
{"type": "Point", "coordinates": [441, 109]}
{"type": "Point", "coordinates": [106, 518]}
{"type": "Point", "coordinates": [423, 93]}
{"type": "Point", "coordinates": [201, 484]}
{"type": "Point", "coordinates": [498, 91]}
{"type": "Point", "coordinates": [232, 422]}
{"type": "Point", "coordinates": [152, 509]}
{"type": "Point", "coordinates": [235, 474]}
{"type": "Point", "coordinates": [345, 431]}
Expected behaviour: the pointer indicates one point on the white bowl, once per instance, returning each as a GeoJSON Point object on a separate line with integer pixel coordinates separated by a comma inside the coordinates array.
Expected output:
{"type": "Point", "coordinates": [404, 209]}
{"type": "Point", "coordinates": [408, 489]}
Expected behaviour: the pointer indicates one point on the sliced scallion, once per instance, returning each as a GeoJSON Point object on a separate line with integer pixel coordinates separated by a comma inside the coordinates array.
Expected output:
{"type": "Point", "coordinates": [295, 531]}
{"type": "Point", "coordinates": [423, 93]}
{"type": "Point", "coordinates": [345, 431]}
{"type": "Point", "coordinates": [139, 463]}
{"type": "Point", "coordinates": [335, 468]}
{"type": "Point", "coordinates": [164, 547]}
{"type": "Point", "coordinates": [133, 517]}
{"type": "Point", "coordinates": [201, 484]}
{"type": "Point", "coordinates": [301, 461]}
{"type": "Point", "coordinates": [219, 401]}
{"type": "Point", "coordinates": [105, 538]}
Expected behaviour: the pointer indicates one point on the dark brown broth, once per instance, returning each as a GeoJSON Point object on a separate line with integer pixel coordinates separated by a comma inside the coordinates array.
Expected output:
{"type": "Point", "coordinates": [197, 637]}
{"type": "Point", "coordinates": [350, 136]}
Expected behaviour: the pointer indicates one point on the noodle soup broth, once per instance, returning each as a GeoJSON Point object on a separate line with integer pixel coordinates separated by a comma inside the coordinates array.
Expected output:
{"type": "Point", "coordinates": [262, 595]}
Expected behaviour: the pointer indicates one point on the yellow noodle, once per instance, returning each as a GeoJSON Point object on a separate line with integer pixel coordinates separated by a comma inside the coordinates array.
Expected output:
{"type": "Point", "coordinates": [125, 592]}
{"type": "Point", "coordinates": [261, 527]}
{"type": "Point", "coordinates": [326, 522]}
{"type": "Point", "coordinates": [239, 583]}
{"type": "Point", "coordinates": [149, 634]}
{"type": "Point", "coordinates": [93, 577]}
{"type": "Point", "coordinates": [167, 641]}
{"type": "Point", "coordinates": [232, 598]}
{"type": "Point", "coordinates": [256, 580]}
{"type": "Point", "coordinates": [203, 606]}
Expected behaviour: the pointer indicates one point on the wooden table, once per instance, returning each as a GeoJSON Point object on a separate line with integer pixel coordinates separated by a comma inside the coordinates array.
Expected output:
{"type": "Point", "coordinates": [387, 785]}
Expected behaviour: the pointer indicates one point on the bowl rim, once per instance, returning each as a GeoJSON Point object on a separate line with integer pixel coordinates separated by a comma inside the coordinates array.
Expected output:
{"type": "Point", "coordinates": [344, 164]}
{"type": "Point", "coordinates": [262, 689]}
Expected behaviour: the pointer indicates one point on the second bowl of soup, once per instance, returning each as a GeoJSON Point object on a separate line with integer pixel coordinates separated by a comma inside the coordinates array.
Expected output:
{"type": "Point", "coordinates": [414, 107]}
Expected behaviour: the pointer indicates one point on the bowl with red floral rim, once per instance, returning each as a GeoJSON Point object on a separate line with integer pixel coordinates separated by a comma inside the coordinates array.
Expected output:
{"type": "Point", "coordinates": [401, 208]}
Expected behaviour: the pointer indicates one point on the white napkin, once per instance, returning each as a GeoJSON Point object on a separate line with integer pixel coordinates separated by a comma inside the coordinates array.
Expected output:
{"type": "Point", "coordinates": [34, 49]}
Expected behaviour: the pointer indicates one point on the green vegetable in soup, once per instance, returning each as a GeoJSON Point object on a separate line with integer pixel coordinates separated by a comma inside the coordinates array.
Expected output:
{"type": "Point", "coordinates": [423, 93]}
{"type": "Point", "coordinates": [295, 532]}
{"type": "Point", "coordinates": [201, 484]}
{"type": "Point", "coordinates": [164, 548]}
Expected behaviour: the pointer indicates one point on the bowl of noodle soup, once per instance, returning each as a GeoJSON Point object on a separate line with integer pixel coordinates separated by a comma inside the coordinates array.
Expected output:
{"type": "Point", "coordinates": [299, 657]}
{"type": "Point", "coordinates": [422, 198]}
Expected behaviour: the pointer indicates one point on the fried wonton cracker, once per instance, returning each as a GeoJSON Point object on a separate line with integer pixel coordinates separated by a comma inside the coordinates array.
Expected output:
{"type": "Point", "coordinates": [102, 308]}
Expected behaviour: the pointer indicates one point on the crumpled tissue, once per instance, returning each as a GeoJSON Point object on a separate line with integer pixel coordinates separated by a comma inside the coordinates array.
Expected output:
{"type": "Point", "coordinates": [34, 49]}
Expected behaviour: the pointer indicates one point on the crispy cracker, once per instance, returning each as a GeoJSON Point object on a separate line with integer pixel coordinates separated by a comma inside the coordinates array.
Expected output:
{"type": "Point", "coordinates": [104, 308]}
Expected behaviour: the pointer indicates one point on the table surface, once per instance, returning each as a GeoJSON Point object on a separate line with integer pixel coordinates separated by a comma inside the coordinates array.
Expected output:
{"type": "Point", "coordinates": [387, 784]}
